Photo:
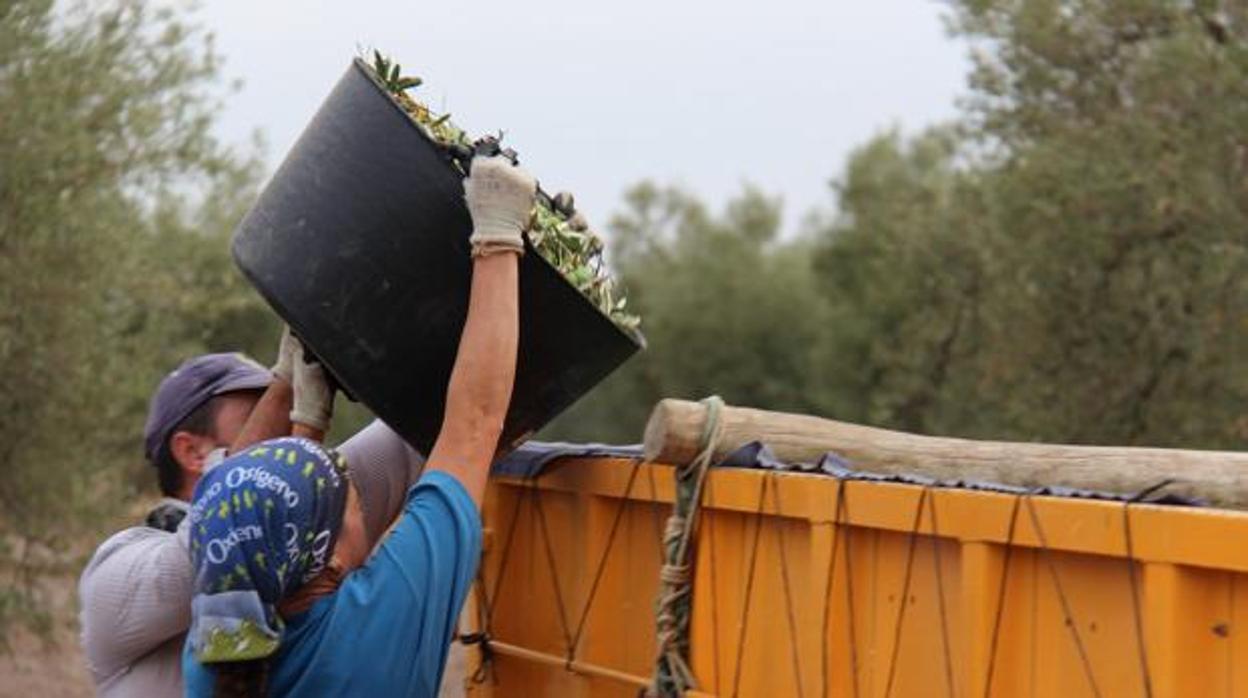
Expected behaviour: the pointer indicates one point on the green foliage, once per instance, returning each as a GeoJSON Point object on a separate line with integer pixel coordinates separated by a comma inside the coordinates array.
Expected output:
{"type": "Point", "coordinates": [390, 75]}
{"type": "Point", "coordinates": [21, 603]}
{"type": "Point", "coordinates": [729, 308]}
{"type": "Point", "coordinates": [900, 271]}
{"type": "Point", "coordinates": [115, 210]}
{"type": "Point", "coordinates": [1067, 261]}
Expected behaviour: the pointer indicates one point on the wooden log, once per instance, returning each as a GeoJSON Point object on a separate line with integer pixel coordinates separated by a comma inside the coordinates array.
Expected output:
{"type": "Point", "coordinates": [1220, 477]}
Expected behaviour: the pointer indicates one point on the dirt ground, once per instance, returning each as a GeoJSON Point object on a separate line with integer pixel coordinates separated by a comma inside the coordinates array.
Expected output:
{"type": "Point", "coordinates": [35, 667]}
{"type": "Point", "coordinates": [51, 667]}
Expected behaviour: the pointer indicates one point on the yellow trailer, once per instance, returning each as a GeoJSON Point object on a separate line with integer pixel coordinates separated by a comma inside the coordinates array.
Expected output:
{"type": "Point", "coordinates": [809, 585]}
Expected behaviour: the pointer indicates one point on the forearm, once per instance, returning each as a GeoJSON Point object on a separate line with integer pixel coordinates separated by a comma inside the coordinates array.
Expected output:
{"type": "Point", "coordinates": [481, 380]}
{"type": "Point", "coordinates": [485, 366]}
{"type": "Point", "coordinates": [269, 419]}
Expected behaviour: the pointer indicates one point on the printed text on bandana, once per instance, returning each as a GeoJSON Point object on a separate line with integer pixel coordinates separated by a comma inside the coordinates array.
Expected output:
{"type": "Point", "coordinates": [264, 480]}
{"type": "Point", "coordinates": [217, 549]}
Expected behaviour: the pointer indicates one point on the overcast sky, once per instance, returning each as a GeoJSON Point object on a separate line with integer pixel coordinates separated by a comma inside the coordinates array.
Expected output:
{"type": "Point", "coordinates": [597, 96]}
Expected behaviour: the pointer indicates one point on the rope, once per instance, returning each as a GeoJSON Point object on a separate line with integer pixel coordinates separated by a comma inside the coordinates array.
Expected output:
{"type": "Point", "coordinates": [852, 615]}
{"type": "Point", "coordinates": [749, 588]}
{"type": "Point", "coordinates": [1061, 595]}
{"type": "Point", "coordinates": [710, 539]}
{"type": "Point", "coordinates": [1005, 574]}
{"type": "Point", "coordinates": [554, 572]}
{"type": "Point", "coordinates": [672, 675]}
{"type": "Point", "coordinates": [1135, 599]}
{"type": "Point", "coordinates": [940, 595]}
{"type": "Point", "coordinates": [905, 593]}
{"type": "Point", "coordinates": [837, 535]}
{"type": "Point", "coordinates": [492, 597]}
{"type": "Point", "coordinates": [602, 562]}
{"type": "Point", "coordinates": [488, 599]}
{"type": "Point", "coordinates": [484, 668]}
{"type": "Point", "coordinates": [788, 592]}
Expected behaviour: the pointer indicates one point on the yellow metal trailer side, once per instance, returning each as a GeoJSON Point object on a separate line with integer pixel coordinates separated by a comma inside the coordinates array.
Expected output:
{"type": "Point", "coordinates": [806, 585]}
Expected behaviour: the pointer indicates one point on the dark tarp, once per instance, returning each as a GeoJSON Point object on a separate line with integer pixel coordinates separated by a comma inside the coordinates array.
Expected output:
{"type": "Point", "coordinates": [532, 457]}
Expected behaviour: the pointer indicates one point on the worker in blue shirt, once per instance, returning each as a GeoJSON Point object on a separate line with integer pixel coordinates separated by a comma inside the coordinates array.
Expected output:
{"type": "Point", "coordinates": [289, 599]}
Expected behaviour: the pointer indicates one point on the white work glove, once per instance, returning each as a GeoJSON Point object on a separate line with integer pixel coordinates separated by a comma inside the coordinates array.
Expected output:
{"type": "Point", "coordinates": [286, 348]}
{"type": "Point", "coordinates": [313, 402]}
{"type": "Point", "coordinates": [500, 199]}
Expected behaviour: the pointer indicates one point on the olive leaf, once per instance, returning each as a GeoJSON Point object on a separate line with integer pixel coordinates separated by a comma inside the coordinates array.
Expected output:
{"type": "Point", "coordinates": [558, 233]}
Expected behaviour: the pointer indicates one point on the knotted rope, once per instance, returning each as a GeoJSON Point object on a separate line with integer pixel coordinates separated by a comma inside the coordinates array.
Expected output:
{"type": "Point", "coordinates": [672, 675]}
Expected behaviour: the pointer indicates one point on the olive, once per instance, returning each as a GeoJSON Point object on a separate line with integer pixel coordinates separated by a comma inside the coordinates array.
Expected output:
{"type": "Point", "coordinates": [564, 203]}
{"type": "Point", "coordinates": [460, 152]}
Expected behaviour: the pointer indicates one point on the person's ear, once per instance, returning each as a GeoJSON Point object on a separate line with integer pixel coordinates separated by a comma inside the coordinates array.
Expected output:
{"type": "Point", "coordinates": [190, 451]}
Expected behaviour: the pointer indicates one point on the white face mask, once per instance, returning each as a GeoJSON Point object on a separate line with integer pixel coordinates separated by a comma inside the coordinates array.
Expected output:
{"type": "Point", "coordinates": [214, 458]}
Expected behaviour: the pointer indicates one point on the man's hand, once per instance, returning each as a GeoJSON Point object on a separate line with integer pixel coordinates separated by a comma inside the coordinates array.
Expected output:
{"type": "Point", "coordinates": [271, 416]}
{"type": "Point", "coordinates": [500, 198]}
{"type": "Point", "coordinates": [286, 348]}
{"type": "Point", "coordinates": [313, 403]}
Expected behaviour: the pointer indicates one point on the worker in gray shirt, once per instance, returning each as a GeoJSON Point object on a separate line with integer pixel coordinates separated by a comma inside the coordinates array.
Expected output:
{"type": "Point", "coordinates": [135, 593]}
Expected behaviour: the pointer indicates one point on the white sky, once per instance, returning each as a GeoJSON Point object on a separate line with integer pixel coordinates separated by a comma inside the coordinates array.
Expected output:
{"type": "Point", "coordinates": [597, 96]}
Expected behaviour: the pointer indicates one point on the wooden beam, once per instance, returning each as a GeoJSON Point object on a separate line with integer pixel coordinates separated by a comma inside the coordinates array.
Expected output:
{"type": "Point", "coordinates": [675, 429]}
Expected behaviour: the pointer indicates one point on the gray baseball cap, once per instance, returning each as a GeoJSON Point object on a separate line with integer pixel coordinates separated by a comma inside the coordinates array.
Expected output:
{"type": "Point", "coordinates": [192, 384]}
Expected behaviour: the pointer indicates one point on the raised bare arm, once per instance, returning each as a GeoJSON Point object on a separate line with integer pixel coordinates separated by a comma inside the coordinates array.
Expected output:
{"type": "Point", "coordinates": [500, 197]}
{"type": "Point", "coordinates": [271, 415]}
{"type": "Point", "coordinates": [269, 418]}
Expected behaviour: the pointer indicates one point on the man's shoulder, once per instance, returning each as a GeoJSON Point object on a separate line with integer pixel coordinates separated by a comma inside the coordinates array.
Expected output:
{"type": "Point", "coordinates": [134, 546]}
{"type": "Point", "coordinates": [135, 594]}
{"type": "Point", "coordinates": [129, 539]}
{"type": "Point", "coordinates": [124, 540]}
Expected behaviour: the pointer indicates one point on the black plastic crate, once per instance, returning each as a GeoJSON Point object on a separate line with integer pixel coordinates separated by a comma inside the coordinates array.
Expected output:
{"type": "Point", "coordinates": [360, 242]}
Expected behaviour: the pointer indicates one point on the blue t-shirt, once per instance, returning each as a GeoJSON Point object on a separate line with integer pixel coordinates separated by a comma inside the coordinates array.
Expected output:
{"type": "Point", "coordinates": [387, 629]}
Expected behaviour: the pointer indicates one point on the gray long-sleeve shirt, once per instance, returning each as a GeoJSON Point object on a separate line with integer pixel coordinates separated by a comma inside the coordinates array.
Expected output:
{"type": "Point", "coordinates": [135, 592]}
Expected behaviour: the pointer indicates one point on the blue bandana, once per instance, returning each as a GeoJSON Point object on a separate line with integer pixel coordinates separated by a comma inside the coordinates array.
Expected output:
{"type": "Point", "coordinates": [263, 523]}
